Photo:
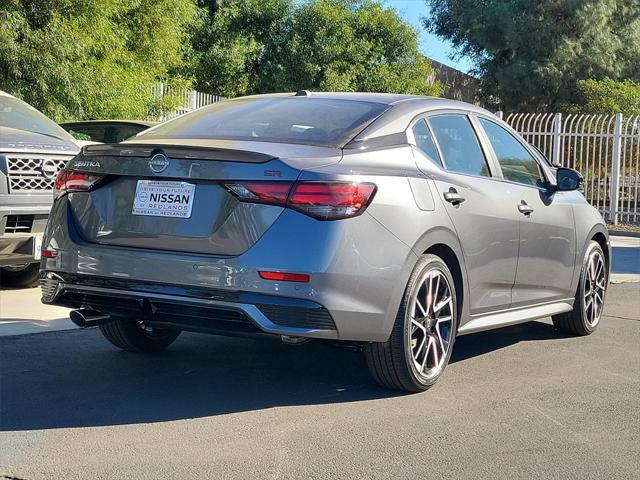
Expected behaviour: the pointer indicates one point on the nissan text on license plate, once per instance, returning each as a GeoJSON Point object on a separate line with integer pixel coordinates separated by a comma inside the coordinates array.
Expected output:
{"type": "Point", "coordinates": [163, 199]}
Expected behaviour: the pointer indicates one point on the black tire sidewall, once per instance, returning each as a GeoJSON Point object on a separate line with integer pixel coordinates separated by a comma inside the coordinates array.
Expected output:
{"type": "Point", "coordinates": [593, 246]}
{"type": "Point", "coordinates": [427, 262]}
{"type": "Point", "coordinates": [128, 335]}
{"type": "Point", "coordinates": [26, 278]}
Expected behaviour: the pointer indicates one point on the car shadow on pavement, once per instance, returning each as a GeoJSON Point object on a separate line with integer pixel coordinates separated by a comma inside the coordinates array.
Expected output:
{"type": "Point", "coordinates": [474, 345]}
{"type": "Point", "coordinates": [75, 379]}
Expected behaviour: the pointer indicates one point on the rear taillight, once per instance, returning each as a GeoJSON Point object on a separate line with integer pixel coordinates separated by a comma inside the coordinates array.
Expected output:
{"type": "Point", "coordinates": [320, 200]}
{"type": "Point", "coordinates": [331, 200]}
{"type": "Point", "coordinates": [70, 181]}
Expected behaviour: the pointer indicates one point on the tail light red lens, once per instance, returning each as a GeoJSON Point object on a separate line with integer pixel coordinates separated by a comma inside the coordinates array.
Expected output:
{"type": "Point", "coordinates": [70, 181]}
{"type": "Point", "coordinates": [49, 253]}
{"type": "Point", "coordinates": [320, 200]}
{"type": "Point", "coordinates": [331, 200]}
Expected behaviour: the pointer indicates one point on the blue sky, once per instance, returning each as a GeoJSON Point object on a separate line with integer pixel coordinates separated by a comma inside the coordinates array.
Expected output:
{"type": "Point", "coordinates": [432, 46]}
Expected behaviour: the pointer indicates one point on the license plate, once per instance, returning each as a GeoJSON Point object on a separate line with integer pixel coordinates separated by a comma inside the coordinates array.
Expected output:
{"type": "Point", "coordinates": [158, 198]}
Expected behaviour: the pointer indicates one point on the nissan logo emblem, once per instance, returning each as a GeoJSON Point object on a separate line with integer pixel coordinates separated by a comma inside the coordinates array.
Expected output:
{"type": "Point", "coordinates": [158, 163]}
{"type": "Point", "coordinates": [49, 169]}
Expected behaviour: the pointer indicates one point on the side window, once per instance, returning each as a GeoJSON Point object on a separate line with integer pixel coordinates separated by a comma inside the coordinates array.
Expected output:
{"type": "Point", "coordinates": [517, 164]}
{"type": "Point", "coordinates": [424, 141]}
{"type": "Point", "coordinates": [459, 145]}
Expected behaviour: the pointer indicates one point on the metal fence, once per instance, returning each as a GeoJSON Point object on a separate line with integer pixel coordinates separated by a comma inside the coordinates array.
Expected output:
{"type": "Point", "coordinates": [186, 100]}
{"type": "Point", "coordinates": [604, 148]}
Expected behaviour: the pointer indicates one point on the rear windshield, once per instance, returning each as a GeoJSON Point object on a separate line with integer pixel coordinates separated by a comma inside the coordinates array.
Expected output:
{"type": "Point", "coordinates": [103, 133]}
{"type": "Point", "coordinates": [310, 121]}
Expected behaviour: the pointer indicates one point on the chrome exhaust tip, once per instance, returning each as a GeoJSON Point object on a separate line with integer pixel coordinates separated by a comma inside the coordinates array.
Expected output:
{"type": "Point", "coordinates": [289, 340]}
{"type": "Point", "coordinates": [85, 317]}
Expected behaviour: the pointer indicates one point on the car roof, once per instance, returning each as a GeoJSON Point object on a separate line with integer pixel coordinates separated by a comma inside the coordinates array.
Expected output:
{"type": "Point", "coordinates": [384, 98]}
{"type": "Point", "coordinates": [395, 119]}
{"type": "Point", "coordinates": [400, 102]}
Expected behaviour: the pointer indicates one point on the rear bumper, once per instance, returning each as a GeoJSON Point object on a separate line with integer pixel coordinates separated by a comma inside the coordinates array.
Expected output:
{"type": "Point", "coordinates": [187, 308]}
{"type": "Point", "coordinates": [358, 271]}
{"type": "Point", "coordinates": [17, 249]}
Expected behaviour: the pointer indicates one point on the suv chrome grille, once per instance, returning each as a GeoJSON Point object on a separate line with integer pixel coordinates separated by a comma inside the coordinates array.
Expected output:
{"type": "Point", "coordinates": [32, 173]}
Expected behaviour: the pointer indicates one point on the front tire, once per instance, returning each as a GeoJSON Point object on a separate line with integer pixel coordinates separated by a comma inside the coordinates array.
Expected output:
{"type": "Point", "coordinates": [421, 341]}
{"type": "Point", "coordinates": [137, 336]}
{"type": "Point", "coordinates": [589, 301]}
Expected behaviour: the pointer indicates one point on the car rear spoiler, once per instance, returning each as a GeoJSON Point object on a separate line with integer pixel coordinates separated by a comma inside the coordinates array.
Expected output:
{"type": "Point", "coordinates": [95, 152]}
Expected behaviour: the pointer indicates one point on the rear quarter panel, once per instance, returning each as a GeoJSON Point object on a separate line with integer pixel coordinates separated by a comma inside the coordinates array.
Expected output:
{"type": "Point", "coordinates": [406, 205]}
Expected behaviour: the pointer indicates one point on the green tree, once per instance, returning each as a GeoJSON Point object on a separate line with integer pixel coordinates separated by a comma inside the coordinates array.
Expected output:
{"type": "Point", "coordinates": [609, 96]}
{"type": "Point", "coordinates": [230, 41]}
{"type": "Point", "coordinates": [530, 54]}
{"type": "Point", "coordinates": [77, 59]}
{"type": "Point", "coordinates": [252, 46]}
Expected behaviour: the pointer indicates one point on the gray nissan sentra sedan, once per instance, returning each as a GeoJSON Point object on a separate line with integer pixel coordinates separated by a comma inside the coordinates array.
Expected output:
{"type": "Point", "coordinates": [395, 223]}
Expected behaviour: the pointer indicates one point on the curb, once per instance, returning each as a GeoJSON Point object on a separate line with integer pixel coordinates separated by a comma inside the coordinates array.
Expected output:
{"type": "Point", "coordinates": [621, 233]}
{"type": "Point", "coordinates": [624, 278]}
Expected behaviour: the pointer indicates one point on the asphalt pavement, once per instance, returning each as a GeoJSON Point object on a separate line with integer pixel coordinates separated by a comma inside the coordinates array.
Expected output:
{"type": "Point", "coordinates": [520, 403]}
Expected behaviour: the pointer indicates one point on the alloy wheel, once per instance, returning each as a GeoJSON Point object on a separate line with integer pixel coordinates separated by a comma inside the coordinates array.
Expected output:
{"type": "Point", "coordinates": [595, 282]}
{"type": "Point", "coordinates": [430, 334]}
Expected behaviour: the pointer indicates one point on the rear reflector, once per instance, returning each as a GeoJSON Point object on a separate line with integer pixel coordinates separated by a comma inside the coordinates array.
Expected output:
{"type": "Point", "coordinates": [320, 200]}
{"type": "Point", "coordinates": [285, 277]}
{"type": "Point", "coordinates": [49, 253]}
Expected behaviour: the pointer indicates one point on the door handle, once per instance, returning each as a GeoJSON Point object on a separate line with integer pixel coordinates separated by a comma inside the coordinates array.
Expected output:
{"type": "Point", "coordinates": [524, 208]}
{"type": "Point", "coordinates": [453, 197]}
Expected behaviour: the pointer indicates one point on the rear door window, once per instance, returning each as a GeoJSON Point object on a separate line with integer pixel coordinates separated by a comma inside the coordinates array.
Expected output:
{"type": "Point", "coordinates": [459, 145]}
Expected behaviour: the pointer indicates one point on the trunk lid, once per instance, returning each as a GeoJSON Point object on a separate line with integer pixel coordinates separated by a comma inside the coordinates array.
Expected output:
{"type": "Point", "coordinates": [208, 218]}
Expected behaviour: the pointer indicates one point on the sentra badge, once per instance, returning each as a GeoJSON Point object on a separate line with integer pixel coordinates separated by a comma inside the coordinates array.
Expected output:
{"type": "Point", "coordinates": [86, 163]}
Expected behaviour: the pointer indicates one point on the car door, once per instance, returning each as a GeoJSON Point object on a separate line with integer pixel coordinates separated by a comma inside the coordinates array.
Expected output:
{"type": "Point", "coordinates": [547, 233]}
{"type": "Point", "coordinates": [477, 204]}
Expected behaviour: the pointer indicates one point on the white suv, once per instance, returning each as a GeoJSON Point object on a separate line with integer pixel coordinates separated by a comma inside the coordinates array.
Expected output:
{"type": "Point", "coordinates": [32, 151]}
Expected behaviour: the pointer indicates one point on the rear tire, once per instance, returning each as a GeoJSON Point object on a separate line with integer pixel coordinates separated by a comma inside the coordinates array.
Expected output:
{"type": "Point", "coordinates": [423, 334]}
{"type": "Point", "coordinates": [589, 300]}
{"type": "Point", "coordinates": [20, 278]}
{"type": "Point", "coordinates": [135, 336]}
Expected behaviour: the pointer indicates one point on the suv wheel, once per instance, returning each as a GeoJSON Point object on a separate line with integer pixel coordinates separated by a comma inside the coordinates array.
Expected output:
{"type": "Point", "coordinates": [589, 301]}
{"type": "Point", "coordinates": [137, 336]}
{"type": "Point", "coordinates": [421, 342]}
{"type": "Point", "coordinates": [20, 276]}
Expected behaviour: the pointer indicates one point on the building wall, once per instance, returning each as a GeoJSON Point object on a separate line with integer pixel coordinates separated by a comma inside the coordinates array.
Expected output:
{"type": "Point", "coordinates": [457, 85]}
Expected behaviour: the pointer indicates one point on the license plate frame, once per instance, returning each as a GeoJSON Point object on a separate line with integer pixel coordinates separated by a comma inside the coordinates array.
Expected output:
{"type": "Point", "coordinates": [163, 198]}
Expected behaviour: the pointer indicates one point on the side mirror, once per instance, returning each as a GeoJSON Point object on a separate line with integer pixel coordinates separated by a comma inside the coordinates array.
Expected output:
{"type": "Point", "coordinates": [568, 179]}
